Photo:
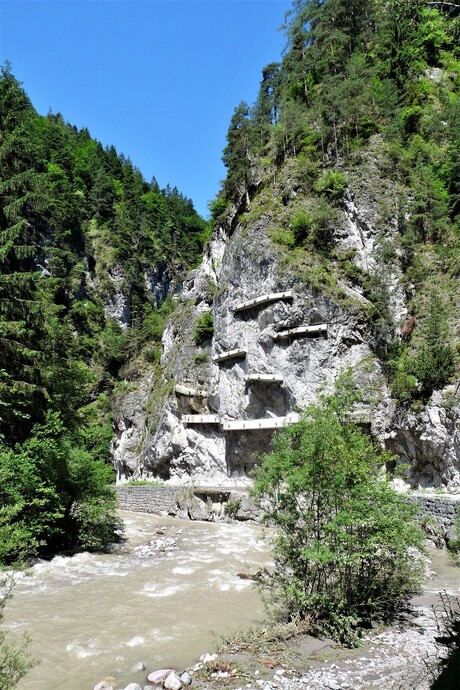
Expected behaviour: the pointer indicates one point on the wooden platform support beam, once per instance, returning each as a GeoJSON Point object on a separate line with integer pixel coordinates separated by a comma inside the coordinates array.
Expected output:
{"type": "Point", "coordinates": [301, 331]}
{"type": "Point", "coordinates": [264, 378]}
{"type": "Point", "coordinates": [265, 423]}
{"type": "Point", "coordinates": [201, 419]}
{"type": "Point", "coordinates": [230, 354]}
{"type": "Point", "coordinates": [265, 299]}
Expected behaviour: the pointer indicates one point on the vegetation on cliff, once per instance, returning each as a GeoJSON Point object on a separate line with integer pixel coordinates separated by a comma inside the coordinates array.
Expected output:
{"type": "Point", "coordinates": [364, 89]}
{"type": "Point", "coordinates": [79, 229]}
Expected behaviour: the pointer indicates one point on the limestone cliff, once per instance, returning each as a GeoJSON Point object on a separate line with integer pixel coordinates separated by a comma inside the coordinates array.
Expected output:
{"type": "Point", "coordinates": [224, 398]}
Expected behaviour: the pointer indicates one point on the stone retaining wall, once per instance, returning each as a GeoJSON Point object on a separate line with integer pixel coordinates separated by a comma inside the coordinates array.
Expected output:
{"type": "Point", "coordinates": [197, 503]}
{"type": "Point", "coordinates": [148, 499]}
{"type": "Point", "coordinates": [440, 508]}
{"type": "Point", "coordinates": [189, 502]}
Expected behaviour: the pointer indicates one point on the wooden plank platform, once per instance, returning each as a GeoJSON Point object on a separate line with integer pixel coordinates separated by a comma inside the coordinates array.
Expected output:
{"type": "Point", "coordinates": [201, 419]}
{"type": "Point", "coordinates": [265, 299]}
{"type": "Point", "coordinates": [264, 378]}
{"type": "Point", "coordinates": [230, 354]}
{"type": "Point", "coordinates": [265, 423]}
{"type": "Point", "coordinates": [301, 330]}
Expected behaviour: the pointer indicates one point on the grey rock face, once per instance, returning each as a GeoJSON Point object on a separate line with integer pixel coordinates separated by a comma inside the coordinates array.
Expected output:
{"type": "Point", "coordinates": [118, 306]}
{"type": "Point", "coordinates": [429, 443]}
{"type": "Point", "coordinates": [250, 268]}
{"type": "Point", "coordinates": [246, 266]}
{"type": "Point", "coordinates": [130, 428]}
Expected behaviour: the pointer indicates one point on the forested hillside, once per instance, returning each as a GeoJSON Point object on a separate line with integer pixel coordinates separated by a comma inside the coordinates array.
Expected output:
{"type": "Point", "coordinates": [343, 185]}
{"type": "Point", "coordinates": [88, 254]}
{"type": "Point", "coordinates": [343, 189]}
{"type": "Point", "coordinates": [366, 88]}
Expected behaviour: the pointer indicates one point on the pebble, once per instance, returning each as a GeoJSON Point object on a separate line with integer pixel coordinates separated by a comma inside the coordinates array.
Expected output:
{"type": "Point", "coordinates": [133, 686]}
{"type": "Point", "coordinates": [138, 667]}
{"type": "Point", "coordinates": [103, 685]}
{"type": "Point", "coordinates": [185, 678]}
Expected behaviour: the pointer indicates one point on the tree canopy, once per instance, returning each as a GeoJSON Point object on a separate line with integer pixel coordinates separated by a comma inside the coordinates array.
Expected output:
{"type": "Point", "coordinates": [346, 551]}
{"type": "Point", "coordinates": [77, 222]}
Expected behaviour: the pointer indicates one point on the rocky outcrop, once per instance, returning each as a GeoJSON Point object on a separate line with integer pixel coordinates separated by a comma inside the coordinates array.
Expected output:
{"type": "Point", "coordinates": [429, 443]}
{"type": "Point", "coordinates": [271, 359]}
{"type": "Point", "coordinates": [117, 306]}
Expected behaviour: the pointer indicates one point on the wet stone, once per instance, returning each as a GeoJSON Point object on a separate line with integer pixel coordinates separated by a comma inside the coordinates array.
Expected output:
{"type": "Point", "coordinates": [172, 682]}
{"type": "Point", "coordinates": [159, 676]}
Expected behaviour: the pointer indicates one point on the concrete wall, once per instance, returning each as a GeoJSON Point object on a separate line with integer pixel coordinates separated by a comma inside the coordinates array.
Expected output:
{"type": "Point", "coordinates": [189, 502]}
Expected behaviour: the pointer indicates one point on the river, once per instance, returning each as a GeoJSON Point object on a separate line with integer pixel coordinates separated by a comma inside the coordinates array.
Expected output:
{"type": "Point", "coordinates": [94, 616]}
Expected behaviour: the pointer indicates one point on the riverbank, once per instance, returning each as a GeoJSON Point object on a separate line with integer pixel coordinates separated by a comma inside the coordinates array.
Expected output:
{"type": "Point", "coordinates": [403, 656]}
{"type": "Point", "coordinates": [283, 657]}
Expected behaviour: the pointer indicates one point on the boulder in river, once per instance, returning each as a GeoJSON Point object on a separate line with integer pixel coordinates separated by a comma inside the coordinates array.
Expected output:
{"type": "Point", "coordinates": [172, 682]}
{"type": "Point", "coordinates": [185, 678]}
{"type": "Point", "coordinates": [160, 675]}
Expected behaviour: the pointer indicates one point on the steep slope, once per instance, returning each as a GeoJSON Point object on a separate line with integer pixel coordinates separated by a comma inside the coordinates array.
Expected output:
{"type": "Point", "coordinates": [88, 253]}
{"type": "Point", "coordinates": [342, 190]}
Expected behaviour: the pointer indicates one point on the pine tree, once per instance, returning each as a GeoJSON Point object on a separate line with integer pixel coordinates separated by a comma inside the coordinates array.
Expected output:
{"type": "Point", "coordinates": [22, 238]}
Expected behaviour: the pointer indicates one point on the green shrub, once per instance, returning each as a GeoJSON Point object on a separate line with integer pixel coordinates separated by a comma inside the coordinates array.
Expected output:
{"type": "Point", "coordinates": [14, 658]}
{"type": "Point", "coordinates": [204, 328]}
{"type": "Point", "coordinates": [332, 184]}
{"type": "Point", "coordinates": [301, 226]}
{"type": "Point", "coordinates": [344, 552]}
{"type": "Point", "coordinates": [217, 208]}
{"type": "Point", "coordinates": [324, 219]}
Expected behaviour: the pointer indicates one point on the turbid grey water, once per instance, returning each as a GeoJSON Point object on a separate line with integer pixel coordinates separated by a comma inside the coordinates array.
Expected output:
{"type": "Point", "coordinates": [95, 616]}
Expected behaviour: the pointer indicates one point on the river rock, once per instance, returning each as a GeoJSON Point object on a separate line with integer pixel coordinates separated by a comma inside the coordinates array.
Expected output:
{"type": "Point", "coordinates": [133, 686]}
{"type": "Point", "coordinates": [103, 685]}
{"type": "Point", "coordinates": [185, 678]}
{"type": "Point", "coordinates": [138, 667]}
{"type": "Point", "coordinates": [159, 676]}
{"type": "Point", "coordinates": [172, 682]}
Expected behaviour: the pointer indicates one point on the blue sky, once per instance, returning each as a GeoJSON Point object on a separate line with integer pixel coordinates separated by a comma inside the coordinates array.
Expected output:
{"type": "Point", "coordinates": [158, 79]}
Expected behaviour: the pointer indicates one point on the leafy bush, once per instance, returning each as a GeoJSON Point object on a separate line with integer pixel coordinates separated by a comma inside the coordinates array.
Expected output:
{"type": "Point", "coordinates": [204, 328]}
{"type": "Point", "coordinates": [333, 184]}
{"type": "Point", "coordinates": [55, 495]}
{"type": "Point", "coordinates": [345, 550]}
{"type": "Point", "coordinates": [324, 218]}
{"type": "Point", "coordinates": [14, 659]}
{"type": "Point", "coordinates": [217, 208]}
{"type": "Point", "coordinates": [301, 225]}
